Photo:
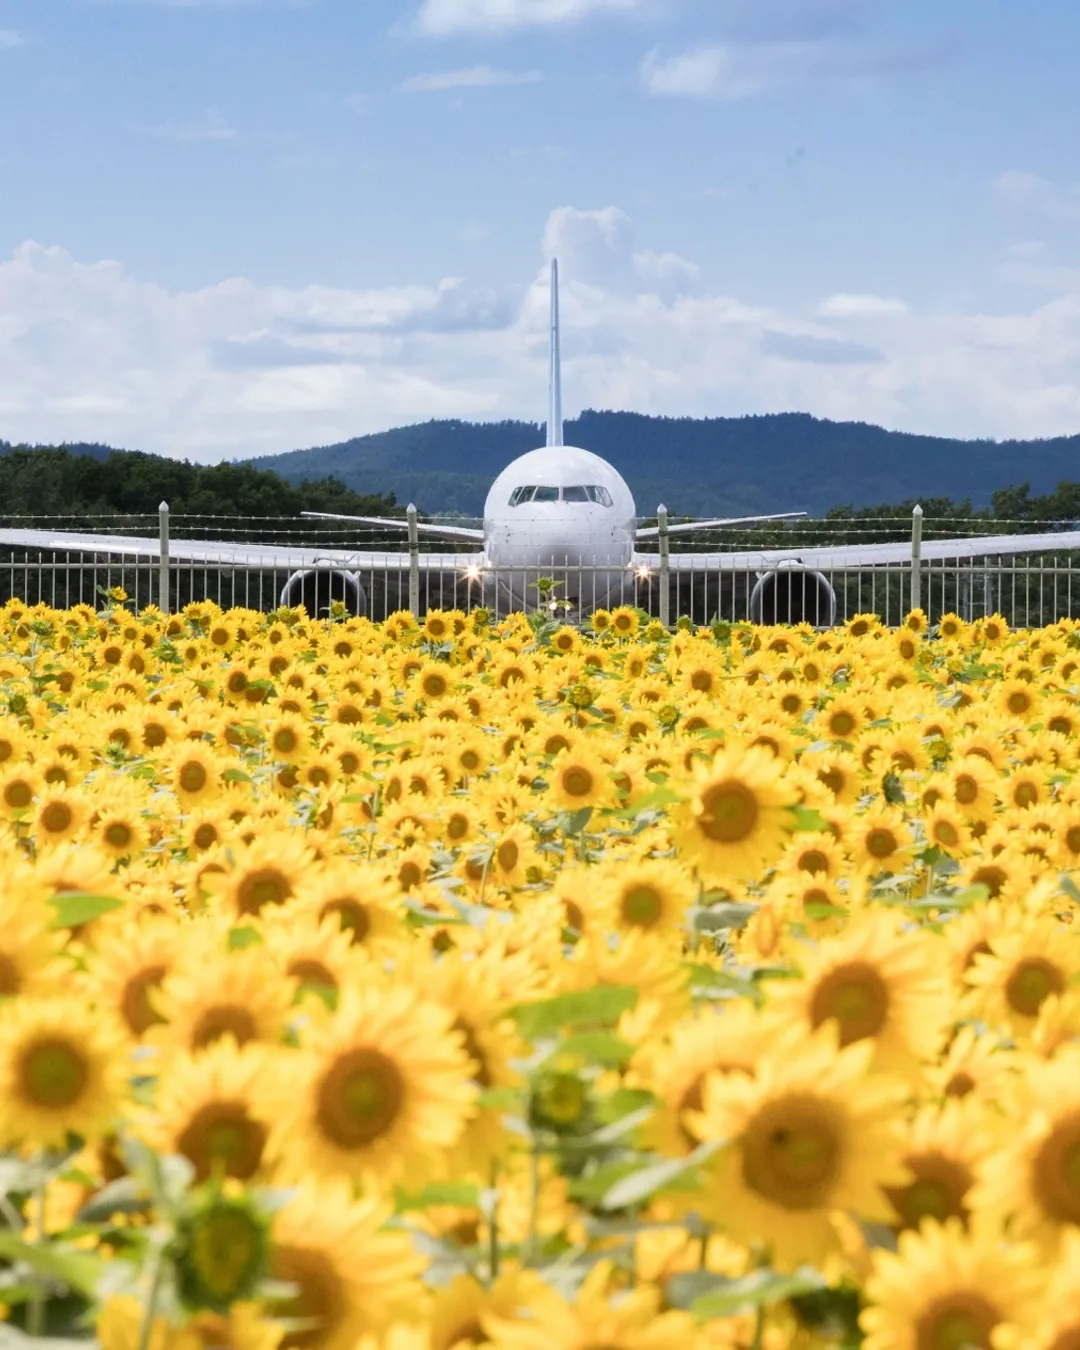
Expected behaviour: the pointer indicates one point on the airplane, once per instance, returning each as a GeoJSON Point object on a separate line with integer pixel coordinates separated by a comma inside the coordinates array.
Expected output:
{"type": "Point", "coordinates": [557, 511]}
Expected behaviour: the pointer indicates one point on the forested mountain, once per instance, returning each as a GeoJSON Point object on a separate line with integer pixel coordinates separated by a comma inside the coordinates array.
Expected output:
{"type": "Point", "coordinates": [735, 466]}
{"type": "Point", "coordinates": [85, 479]}
{"type": "Point", "coordinates": [700, 466]}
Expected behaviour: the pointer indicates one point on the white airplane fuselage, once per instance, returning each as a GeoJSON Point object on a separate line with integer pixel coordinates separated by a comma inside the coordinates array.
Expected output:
{"type": "Point", "coordinates": [562, 512]}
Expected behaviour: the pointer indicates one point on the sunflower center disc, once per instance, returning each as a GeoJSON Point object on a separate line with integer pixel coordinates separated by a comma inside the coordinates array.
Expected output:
{"type": "Point", "coordinates": [266, 886]}
{"type": "Point", "coordinates": [642, 905]}
{"type": "Point", "coordinates": [359, 1098]}
{"type": "Point", "coordinates": [936, 1193]}
{"type": "Point", "coordinates": [1031, 983]}
{"type": "Point", "coordinates": [577, 782]}
{"type": "Point", "coordinates": [53, 1074]}
{"type": "Point", "coordinates": [962, 1321]}
{"type": "Point", "coordinates": [729, 812]}
{"type": "Point", "coordinates": [221, 1136]}
{"type": "Point", "coordinates": [1056, 1171]}
{"type": "Point", "coordinates": [352, 916]}
{"type": "Point", "coordinates": [138, 1012]}
{"type": "Point", "coordinates": [856, 996]}
{"type": "Point", "coordinates": [791, 1153]}
{"type": "Point", "coordinates": [193, 777]}
{"type": "Point", "coordinates": [56, 818]}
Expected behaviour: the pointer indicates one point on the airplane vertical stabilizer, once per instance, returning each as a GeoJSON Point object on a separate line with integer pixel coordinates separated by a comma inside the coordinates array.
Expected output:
{"type": "Point", "coordinates": [555, 419]}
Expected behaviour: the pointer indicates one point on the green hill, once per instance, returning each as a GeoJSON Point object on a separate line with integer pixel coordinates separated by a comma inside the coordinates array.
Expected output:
{"type": "Point", "coordinates": [699, 466]}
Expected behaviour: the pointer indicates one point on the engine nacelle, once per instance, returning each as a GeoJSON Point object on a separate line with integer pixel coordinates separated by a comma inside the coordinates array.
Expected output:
{"type": "Point", "coordinates": [793, 594]}
{"type": "Point", "coordinates": [315, 588]}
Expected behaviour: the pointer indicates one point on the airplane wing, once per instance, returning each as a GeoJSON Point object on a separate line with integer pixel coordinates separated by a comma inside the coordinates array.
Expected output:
{"type": "Point", "coordinates": [224, 553]}
{"type": "Point", "coordinates": [422, 526]}
{"type": "Point", "coordinates": [689, 527]}
{"type": "Point", "coordinates": [852, 556]}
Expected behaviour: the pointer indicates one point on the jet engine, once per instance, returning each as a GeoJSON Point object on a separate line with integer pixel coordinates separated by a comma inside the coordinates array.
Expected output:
{"type": "Point", "coordinates": [315, 588]}
{"type": "Point", "coordinates": [793, 594]}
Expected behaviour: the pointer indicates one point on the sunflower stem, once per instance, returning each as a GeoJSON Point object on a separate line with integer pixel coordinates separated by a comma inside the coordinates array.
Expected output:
{"type": "Point", "coordinates": [156, 1269]}
{"type": "Point", "coordinates": [35, 1314]}
{"type": "Point", "coordinates": [759, 1329]}
{"type": "Point", "coordinates": [534, 1201]}
{"type": "Point", "coordinates": [493, 1225]}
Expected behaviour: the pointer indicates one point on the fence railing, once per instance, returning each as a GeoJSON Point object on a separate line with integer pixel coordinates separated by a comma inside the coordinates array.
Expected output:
{"type": "Point", "coordinates": [680, 575]}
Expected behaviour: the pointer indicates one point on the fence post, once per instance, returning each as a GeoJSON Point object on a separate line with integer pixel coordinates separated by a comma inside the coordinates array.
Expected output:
{"type": "Point", "coordinates": [916, 559]}
{"type": "Point", "coordinates": [163, 558]}
{"type": "Point", "coordinates": [414, 561]}
{"type": "Point", "coordinates": [665, 567]}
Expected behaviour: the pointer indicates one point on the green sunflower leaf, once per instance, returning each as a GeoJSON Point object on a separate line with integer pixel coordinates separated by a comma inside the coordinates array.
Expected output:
{"type": "Point", "coordinates": [78, 907]}
{"type": "Point", "coordinates": [646, 1181]}
{"type": "Point", "coordinates": [603, 1005]}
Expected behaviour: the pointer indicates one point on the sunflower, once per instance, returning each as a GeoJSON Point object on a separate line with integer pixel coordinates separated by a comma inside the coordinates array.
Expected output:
{"type": "Point", "coordinates": [314, 952]}
{"type": "Point", "coordinates": [210, 993]}
{"type": "Point", "coordinates": [381, 1092]}
{"type": "Point", "coordinates": [1057, 1324]}
{"type": "Point", "coordinates": [943, 1151]}
{"type": "Point", "coordinates": [596, 1318]}
{"type": "Point", "coordinates": [1031, 957]}
{"type": "Point", "coordinates": [461, 1308]}
{"type": "Point", "coordinates": [19, 785]}
{"type": "Point", "coordinates": [121, 1324]}
{"type": "Point", "coordinates": [268, 872]}
{"type": "Point", "coordinates": [944, 1289]}
{"type": "Point", "coordinates": [579, 778]}
{"type": "Point", "coordinates": [288, 738]}
{"type": "Point", "coordinates": [804, 1135]}
{"type": "Point", "coordinates": [625, 622]}
{"type": "Point", "coordinates": [675, 1066]}
{"type": "Point", "coordinates": [837, 771]}
{"type": "Point", "coordinates": [974, 1065]}
{"type": "Point", "coordinates": [360, 898]}
{"type": "Point", "coordinates": [59, 1072]}
{"type": "Point", "coordinates": [210, 1108]}
{"type": "Point", "coordinates": [119, 827]}
{"type": "Point", "coordinates": [29, 945]}
{"type": "Point", "coordinates": [947, 829]}
{"type": "Point", "coordinates": [1031, 1180]}
{"type": "Point", "coordinates": [971, 785]}
{"type": "Point", "coordinates": [736, 821]}
{"type": "Point", "coordinates": [351, 1274]}
{"type": "Point", "coordinates": [880, 840]}
{"type": "Point", "coordinates": [652, 894]}
{"type": "Point", "coordinates": [195, 773]}
{"type": "Point", "coordinates": [126, 964]}
{"type": "Point", "coordinates": [874, 983]}
{"type": "Point", "coordinates": [60, 814]}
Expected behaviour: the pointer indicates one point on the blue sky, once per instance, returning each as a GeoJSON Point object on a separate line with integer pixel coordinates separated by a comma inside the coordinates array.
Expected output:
{"type": "Point", "coordinates": [239, 227]}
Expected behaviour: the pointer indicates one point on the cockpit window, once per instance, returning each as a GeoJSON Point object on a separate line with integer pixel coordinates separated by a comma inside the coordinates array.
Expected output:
{"type": "Point", "coordinates": [589, 492]}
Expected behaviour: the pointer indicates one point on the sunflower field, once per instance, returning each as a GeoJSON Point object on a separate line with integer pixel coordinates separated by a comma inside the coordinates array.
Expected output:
{"type": "Point", "coordinates": [412, 986]}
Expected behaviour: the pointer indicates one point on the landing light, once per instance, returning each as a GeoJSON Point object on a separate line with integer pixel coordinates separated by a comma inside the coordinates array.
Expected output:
{"type": "Point", "coordinates": [644, 572]}
{"type": "Point", "coordinates": [472, 573]}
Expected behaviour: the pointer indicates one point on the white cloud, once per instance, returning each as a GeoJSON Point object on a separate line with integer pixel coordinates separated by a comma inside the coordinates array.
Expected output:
{"type": "Point", "coordinates": [442, 18]}
{"type": "Point", "coordinates": [1030, 192]}
{"type": "Point", "coordinates": [475, 77]}
{"type": "Point", "coordinates": [9, 38]}
{"type": "Point", "coordinates": [741, 70]}
{"type": "Point", "coordinates": [845, 306]}
{"type": "Point", "coordinates": [90, 352]}
{"type": "Point", "coordinates": [210, 127]}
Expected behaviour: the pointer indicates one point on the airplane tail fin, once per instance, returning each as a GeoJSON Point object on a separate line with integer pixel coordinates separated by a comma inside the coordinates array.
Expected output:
{"type": "Point", "coordinates": [555, 417]}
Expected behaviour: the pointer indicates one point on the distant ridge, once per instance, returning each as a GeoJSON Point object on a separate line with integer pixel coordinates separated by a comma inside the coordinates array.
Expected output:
{"type": "Point", "coordinates": [695, 466]}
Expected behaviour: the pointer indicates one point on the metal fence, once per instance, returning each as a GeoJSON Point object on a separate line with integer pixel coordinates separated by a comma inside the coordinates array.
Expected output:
{"type": "Point", "coordinates": [1028, 589]}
